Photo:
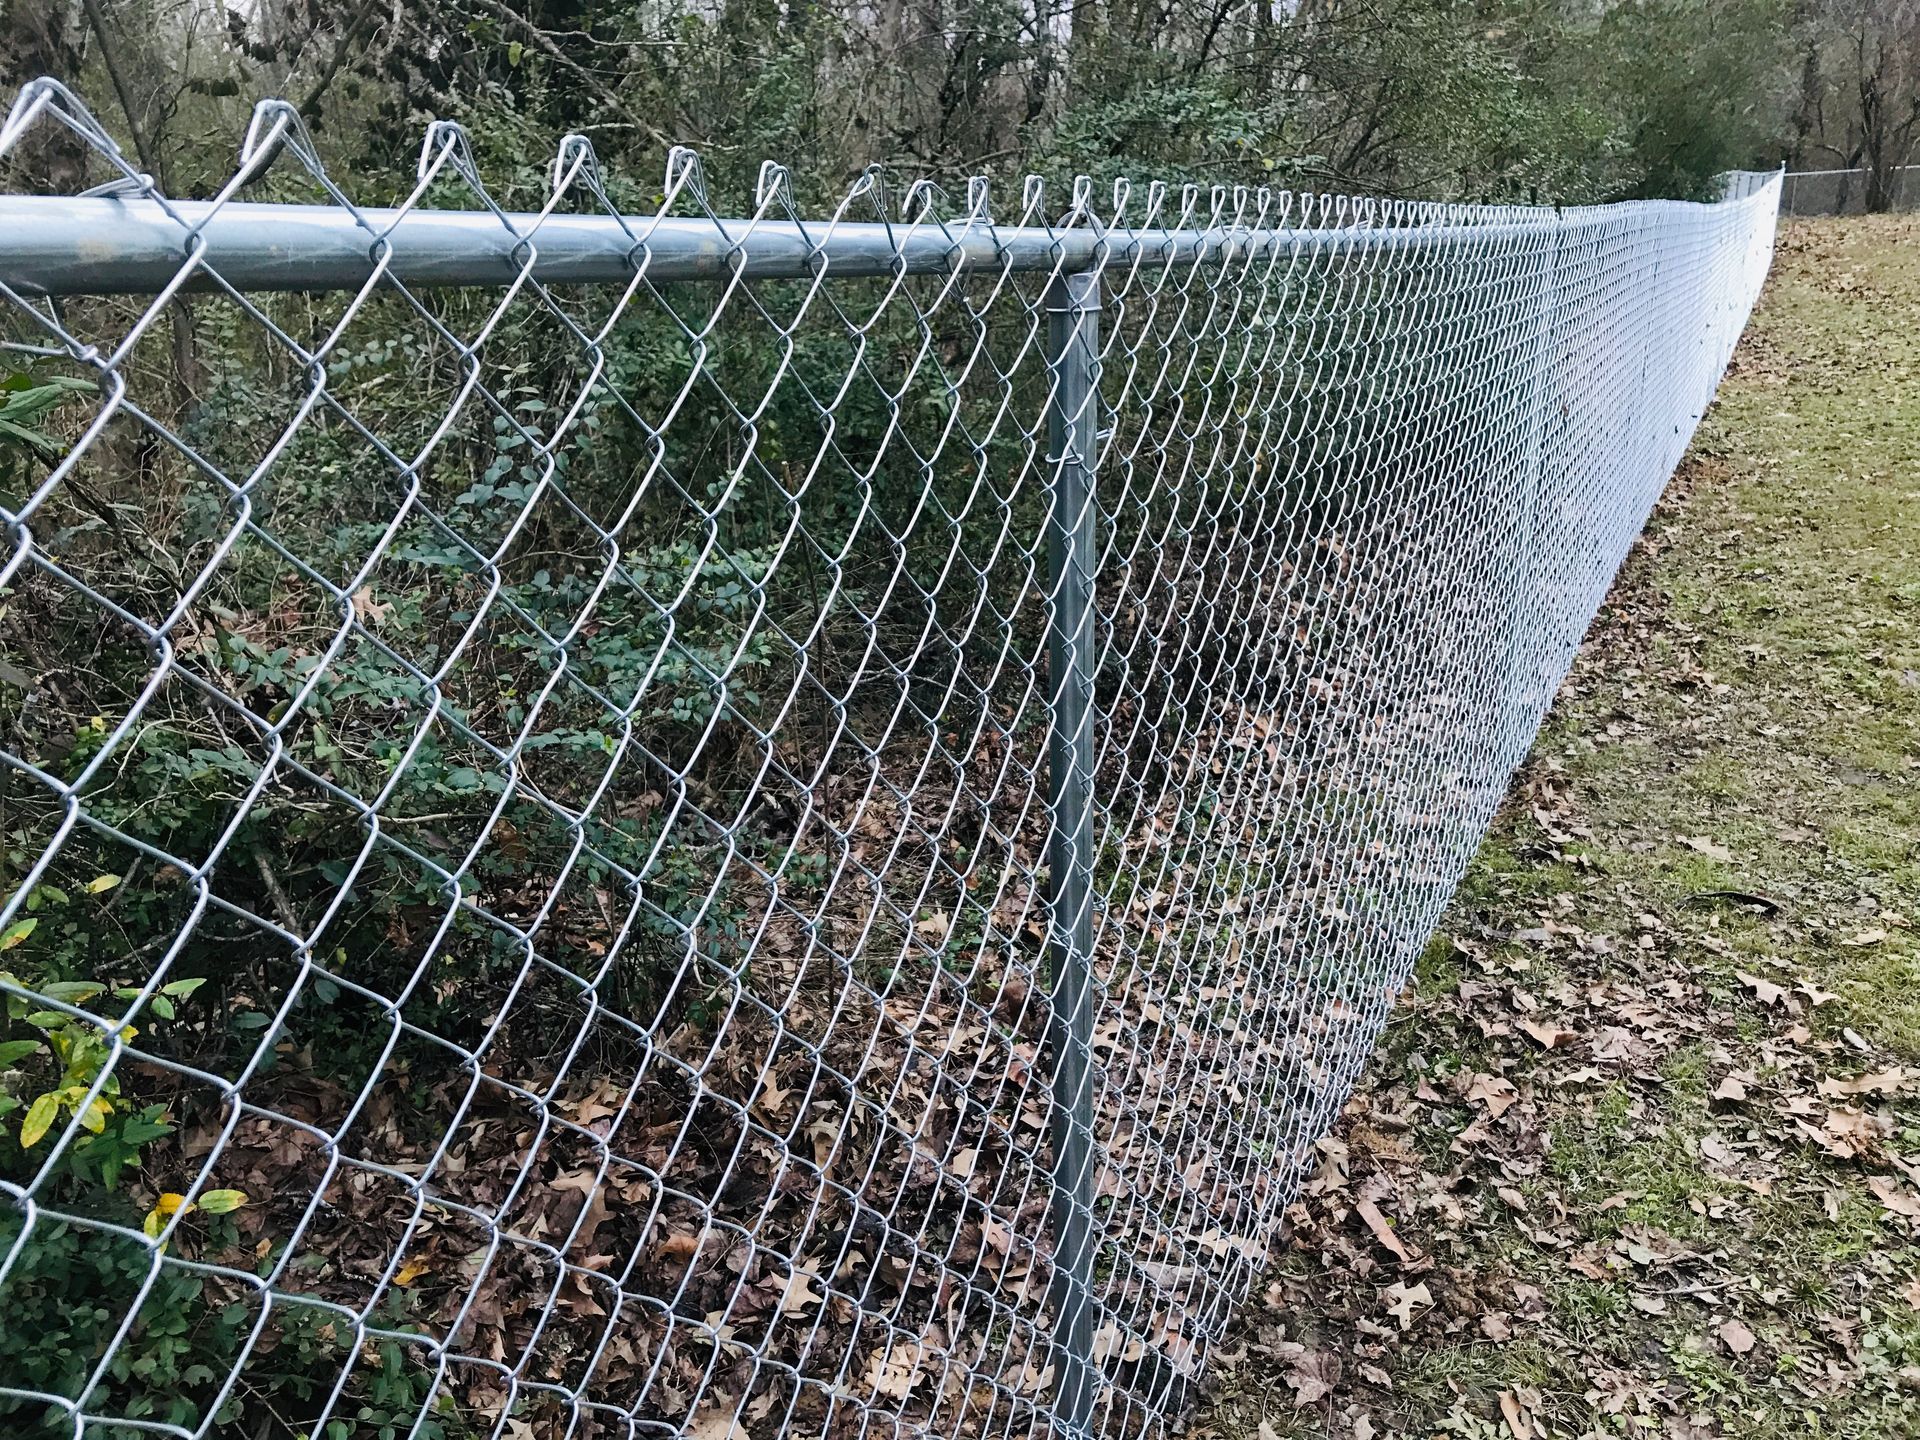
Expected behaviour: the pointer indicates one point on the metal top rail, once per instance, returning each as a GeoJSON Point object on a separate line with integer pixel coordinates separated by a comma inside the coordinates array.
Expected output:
{"type": "Point", "coordinates": [1840, 170]}
{"type": "Point", "coordinates": [59, 246]}
{"type": "Point", "coordinates": [124, 238]}
{"type": "Point", "coordinates": [74, 246]}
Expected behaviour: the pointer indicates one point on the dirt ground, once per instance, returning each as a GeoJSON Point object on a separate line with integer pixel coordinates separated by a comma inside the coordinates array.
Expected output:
{"type": "Point", "coordinates": [1640, 1154]}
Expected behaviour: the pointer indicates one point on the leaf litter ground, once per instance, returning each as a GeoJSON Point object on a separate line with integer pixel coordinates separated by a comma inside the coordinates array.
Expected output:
{"type": "Point", "coordinates": [1640, 1153]}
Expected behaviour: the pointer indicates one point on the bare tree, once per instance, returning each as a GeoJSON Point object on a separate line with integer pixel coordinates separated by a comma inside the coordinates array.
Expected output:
{"type": "Point", "coordinates": [1860, 99]}
{"type": "Point", "coordinates": [1887, 51]}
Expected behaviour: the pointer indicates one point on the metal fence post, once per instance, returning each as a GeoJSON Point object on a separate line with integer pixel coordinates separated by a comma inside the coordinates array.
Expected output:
{"type": "Point", "coordinates": [1073, 348]}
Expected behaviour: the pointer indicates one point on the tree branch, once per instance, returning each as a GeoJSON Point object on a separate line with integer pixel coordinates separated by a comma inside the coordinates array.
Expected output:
{"type": "Point", "coordinates": [186, 360]}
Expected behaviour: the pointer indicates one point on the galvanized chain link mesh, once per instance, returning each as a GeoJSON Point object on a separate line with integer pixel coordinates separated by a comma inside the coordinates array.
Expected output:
{"type": "Point", "coordinates": [1845, 192]}
{"type": "Point", "coordinates": [598, 748]}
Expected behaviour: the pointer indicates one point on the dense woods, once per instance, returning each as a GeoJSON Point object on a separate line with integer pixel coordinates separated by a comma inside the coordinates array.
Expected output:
{"type": "Point", "coordinates": [1555, 100]}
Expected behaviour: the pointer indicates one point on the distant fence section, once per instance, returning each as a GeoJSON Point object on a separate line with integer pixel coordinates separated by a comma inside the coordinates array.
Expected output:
{"type": "Point", "coordinates": [631, 815]}
{"type": "Point", "coordinates": [1844, 192]}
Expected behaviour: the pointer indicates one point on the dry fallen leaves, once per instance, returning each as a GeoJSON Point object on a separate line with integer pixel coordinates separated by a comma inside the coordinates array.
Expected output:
{"type": "Point", "coordinates": [1894, 1196]}
{"type": "Point", "coordinates": [1496, 1092]}
{"type": "Point", "coordinates": [894, 1370]}
{"type": "Point", "coordinates": [1311, 1374]}
{"type": "Point", "coordinates": [366, 609]}
{"type": "Point", "coordinates": [798, 1295]}
{"type": "Point", "coordinates": [1519, 1421]}
{"type": "Point", "coordinates": [1403, 1300]}
{"type": "Point", "coordinates": [1547, 1036]}
{"type": "Point", "coordinates": [1708, 848]}
{"type": "Point", "coordinates": [1882, 1082]}
{"type": "Point", "coordinates": [1381, 1229]}
{"type": "Point", "coordinates": [1731, 1088]}
{"type": "Point", "coordinates": [718, 1420]}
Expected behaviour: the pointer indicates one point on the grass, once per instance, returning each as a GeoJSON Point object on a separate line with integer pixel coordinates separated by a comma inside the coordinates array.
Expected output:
{"type": "Point", "coordinates": [1654, 1238]}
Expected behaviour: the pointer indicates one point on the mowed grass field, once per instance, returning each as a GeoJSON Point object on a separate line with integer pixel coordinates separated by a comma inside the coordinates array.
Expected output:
{"type": "Point", "coordinates": [1641, 1152]}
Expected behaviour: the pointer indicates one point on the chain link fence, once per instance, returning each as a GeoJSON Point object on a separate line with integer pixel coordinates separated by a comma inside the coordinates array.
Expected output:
{"type": "Point", "coordinates": [1844, 192]}
{"type": "Point", "coordinates": [621, 821]}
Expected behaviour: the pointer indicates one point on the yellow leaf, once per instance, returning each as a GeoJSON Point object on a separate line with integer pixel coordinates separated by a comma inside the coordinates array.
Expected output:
{"type": "Point", "coordinates": [156, 1220]}
{"type": "Point", "coordinates": [39, 1119]}
{"type": "Point", "coordinates": [100, 884]}
{"type": "Point", "coordinates": [17, 932]}
{"type": "Point", "coordinates": [219, 1202]}
{"type": "Point", "coordinates": [411, 1271]}
{"type": "Point", "coordinates": [94, 1118]}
